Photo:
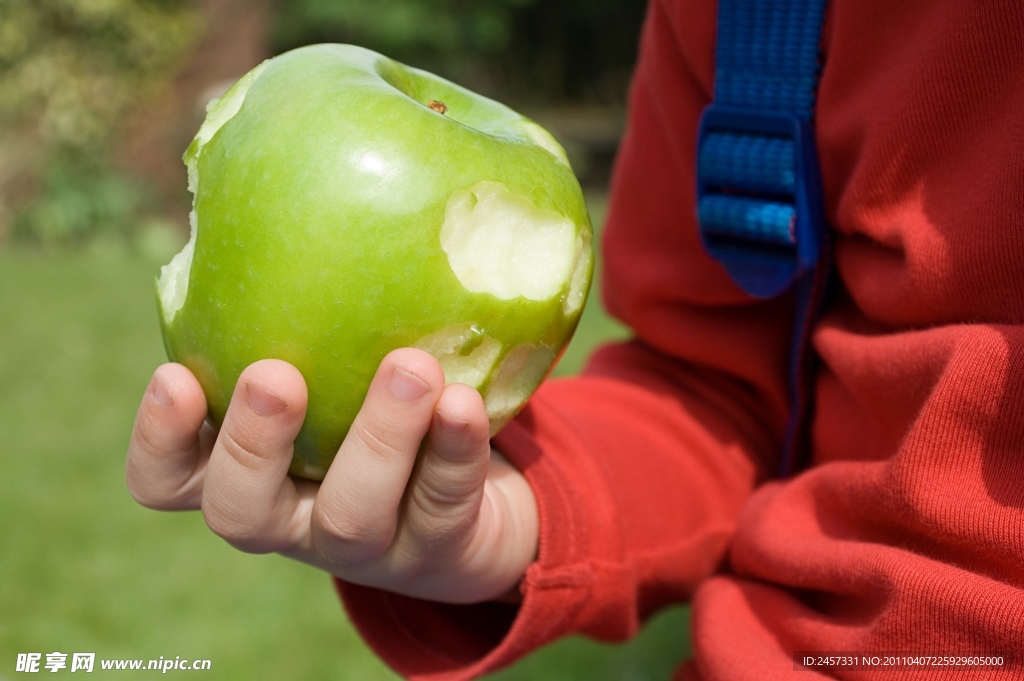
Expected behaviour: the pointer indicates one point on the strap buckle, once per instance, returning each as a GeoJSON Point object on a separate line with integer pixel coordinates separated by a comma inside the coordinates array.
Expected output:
{"type": "Point", "coordinates": [759, 196]}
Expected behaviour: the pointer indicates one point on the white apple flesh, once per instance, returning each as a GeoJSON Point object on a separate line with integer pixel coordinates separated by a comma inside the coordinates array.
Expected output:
{"type": "Point", "coordinates": [346, 205]}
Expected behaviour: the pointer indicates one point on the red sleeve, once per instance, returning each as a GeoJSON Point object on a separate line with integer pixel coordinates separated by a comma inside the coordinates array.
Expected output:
{"type": "Point", "coordinates": [641, 465]}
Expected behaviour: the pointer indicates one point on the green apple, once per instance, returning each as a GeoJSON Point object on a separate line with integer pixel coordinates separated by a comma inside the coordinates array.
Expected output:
{"type": "Point", "coordinates": [346, 205]}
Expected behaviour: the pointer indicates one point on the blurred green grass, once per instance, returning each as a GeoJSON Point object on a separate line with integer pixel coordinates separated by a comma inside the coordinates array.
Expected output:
{"type": "Point", "coordinates": [85, 569]}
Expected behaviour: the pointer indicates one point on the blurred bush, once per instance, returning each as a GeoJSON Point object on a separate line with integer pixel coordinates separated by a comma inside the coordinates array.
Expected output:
{"type": "Point", "coordinates": [70, 70]}
{"type": "Point", "coordinates": [76, 205]}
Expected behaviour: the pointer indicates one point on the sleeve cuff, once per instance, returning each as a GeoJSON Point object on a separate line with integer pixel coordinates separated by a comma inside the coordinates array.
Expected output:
{"type": "Point", "coordinates": [579, 584]}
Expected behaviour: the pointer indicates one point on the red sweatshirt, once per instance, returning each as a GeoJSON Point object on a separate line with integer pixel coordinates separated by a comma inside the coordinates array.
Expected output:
{"type": "Point", "coordinates": [655, 470]}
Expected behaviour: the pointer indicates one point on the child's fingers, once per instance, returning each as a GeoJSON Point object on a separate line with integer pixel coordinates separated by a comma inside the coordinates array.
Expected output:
{"type": "Point", "coordinates": [356, 511]}
{"type": "Point", "coordinates": [166, 459]}
{"type": "Point", "coordinates": [248, 498]}
{"type": "Point", "coordinates": [443, 499]}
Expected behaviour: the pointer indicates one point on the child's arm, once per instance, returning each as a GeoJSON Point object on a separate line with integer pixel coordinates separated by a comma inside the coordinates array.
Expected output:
{"type": "Point", "coordinates": [459, 526]}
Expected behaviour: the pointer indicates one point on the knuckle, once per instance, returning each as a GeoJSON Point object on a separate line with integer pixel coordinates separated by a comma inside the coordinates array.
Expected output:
{"type": "Point", "coordinates": [441, 499]}
{"type": "Point", "coordinates": [145, 439]}
{"type": "Point", "coordinates": [243, 450]}
{"type": "Point", "coordinates": [222, 527]}
{"type": "Point", "coordinates": [439, 516]}
{"type": "Point", "coordinates": [141, 492]}
{"type": "Point", "coordinates": [154, 484]}
{"type": "Point", "coordinates": [444, 488]}
{"type": "Point", "coordinates": [148, 497]}
{"type": "Point", "coordinates": [244, 535]}
{"type": "Point", "coordinates": [346, 541]}
{"type": "Point", "coordinates": [142, 495]}
{"type": "Point", "coordinates": [377, 438]}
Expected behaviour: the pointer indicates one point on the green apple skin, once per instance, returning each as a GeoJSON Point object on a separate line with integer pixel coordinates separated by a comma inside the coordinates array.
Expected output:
{"type": "Point", "coordinates": [318, 207]}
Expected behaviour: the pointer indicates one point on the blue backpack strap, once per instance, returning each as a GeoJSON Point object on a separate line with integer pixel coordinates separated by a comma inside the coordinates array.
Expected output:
{"type": "Point", "coordinates": [759, 196]}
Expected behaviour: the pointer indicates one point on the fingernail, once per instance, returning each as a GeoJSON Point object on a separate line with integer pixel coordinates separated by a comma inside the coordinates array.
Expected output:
{"type": "Point", "coordinates": [452, 425]}
{"type": "Point", "coordinates": [407, 386]}
{"type": "Point", "coordinates": [160, 393]}
{"type": "Point", "coordinates": [262, 402]}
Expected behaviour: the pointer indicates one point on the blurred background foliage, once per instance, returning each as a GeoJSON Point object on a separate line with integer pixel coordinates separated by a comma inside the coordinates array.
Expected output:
{"type": "Point", "coordinates": [526, 52]}
{"type": "Point", "coordinates": [70, 71]}
{"type": "Point", "coordinates": [98, 98]}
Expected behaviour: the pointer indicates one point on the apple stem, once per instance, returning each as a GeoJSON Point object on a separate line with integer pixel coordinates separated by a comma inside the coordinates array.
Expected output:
{"type": "Point", "coordinates": [439, 107]}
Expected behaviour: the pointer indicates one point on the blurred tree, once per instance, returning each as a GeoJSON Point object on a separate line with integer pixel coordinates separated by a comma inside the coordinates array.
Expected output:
{"type": "Point", "coordinates": [234, 38]}
{"type": "Point", "coordinates": [69, 72]}
{"type": "Point", "coordinates": [527, 51]}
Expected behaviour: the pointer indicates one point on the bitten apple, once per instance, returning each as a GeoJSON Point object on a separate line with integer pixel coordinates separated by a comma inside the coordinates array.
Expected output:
{"type": "Point", "coordinates": [346, 205]}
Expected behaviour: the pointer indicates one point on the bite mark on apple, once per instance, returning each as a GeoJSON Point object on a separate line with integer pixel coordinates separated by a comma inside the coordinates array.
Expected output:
{"type": "Point", "coordinates": [580, 279]}
{"type": "Point", "coordinates": [172, 286]}
{"type": "Point", "coordinates": [222, 110]}
{"type": "Point", "coordinates": [544, 139]}
{"type": "Point", "coordinates": [500, 243]}
{"type": "Point", "coordinates": [465, 353]}
{"type": "Point", "coordinates": [522, 370]}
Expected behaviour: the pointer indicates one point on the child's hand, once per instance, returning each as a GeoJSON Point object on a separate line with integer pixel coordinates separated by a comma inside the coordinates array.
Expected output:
{"type": "Point", "coordinates": [456, 523]}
